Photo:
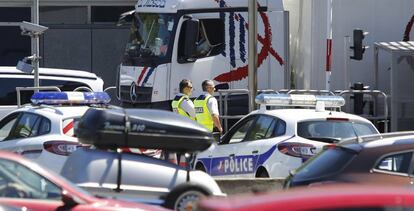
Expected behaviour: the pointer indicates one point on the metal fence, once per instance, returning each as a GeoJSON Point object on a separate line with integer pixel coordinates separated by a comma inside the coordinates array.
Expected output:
{"type": "Point", "coordinates": [379, 114]}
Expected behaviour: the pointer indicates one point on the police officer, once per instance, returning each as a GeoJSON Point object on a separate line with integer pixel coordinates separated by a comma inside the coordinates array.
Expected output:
{"type": "Point", "coordinates": [182, 103]}
{"type": "Point", "coordinates": [206, 107]}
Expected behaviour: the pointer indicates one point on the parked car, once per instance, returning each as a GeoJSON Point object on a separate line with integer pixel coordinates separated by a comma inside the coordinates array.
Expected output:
{"type": "Point", "coordinates": [270, 143]}
{"type": "Point", "coordinates": [25, 184]}
{"type": "Point", "coordinates": [44, 131]}
{"type": "Point", "coordinates": [108, 171]}
{"type": "Point", "coordinates": [349, 198]}
{"type": "Point", "coordinates": [384, 159]}
{"type": "Point", "coordinates": [66, 80]}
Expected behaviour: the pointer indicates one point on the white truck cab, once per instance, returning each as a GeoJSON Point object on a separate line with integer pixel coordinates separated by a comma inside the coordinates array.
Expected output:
{"type": "Point", "coordinates": [197, 40]}
{"type": "Point", "coordinates": [65, 80]}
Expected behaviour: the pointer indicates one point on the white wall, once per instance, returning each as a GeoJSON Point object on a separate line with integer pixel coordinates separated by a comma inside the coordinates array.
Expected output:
{"type": "Point", "coordinates": [385, 20]}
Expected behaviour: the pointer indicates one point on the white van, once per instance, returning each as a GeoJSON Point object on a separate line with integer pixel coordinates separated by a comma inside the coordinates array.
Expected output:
{"type": "Point", "coordinates": [66, 80]}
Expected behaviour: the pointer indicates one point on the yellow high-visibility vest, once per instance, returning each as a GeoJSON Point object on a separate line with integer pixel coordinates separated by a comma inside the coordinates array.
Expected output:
{"type": "Point", "coordinates": [203, 115]}
{"type": "Point", "coordinates": [175, 104]}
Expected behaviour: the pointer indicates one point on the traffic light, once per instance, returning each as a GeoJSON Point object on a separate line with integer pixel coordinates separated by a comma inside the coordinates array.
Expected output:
{"type": "Point", "coordinates": [358, 47]}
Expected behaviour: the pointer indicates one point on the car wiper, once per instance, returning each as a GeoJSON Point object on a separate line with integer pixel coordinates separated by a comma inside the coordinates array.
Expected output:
{"type": "Point", "coordinates": [100, 196]}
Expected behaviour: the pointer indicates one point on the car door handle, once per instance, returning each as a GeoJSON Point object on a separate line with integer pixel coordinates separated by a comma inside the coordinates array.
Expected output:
{"type": "Point", "coordinates": [231, 155]}
{"type": "Point", "coordinates": [255, 151]}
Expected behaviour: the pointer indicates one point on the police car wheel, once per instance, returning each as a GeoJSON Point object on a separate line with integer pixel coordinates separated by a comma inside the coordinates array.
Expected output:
{"type": "Point", "coordinates": [200, 167]}
{"type": "Point", "coordinates": [184, 198]}
{"type": "Point", "coordinates": [263, 174]}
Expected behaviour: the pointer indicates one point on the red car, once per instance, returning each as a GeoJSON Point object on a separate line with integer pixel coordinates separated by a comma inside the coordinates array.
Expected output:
{"type": "Point", "coordinates": [25, 184]}
{"type": "Point", "coordinates": [349, 198]}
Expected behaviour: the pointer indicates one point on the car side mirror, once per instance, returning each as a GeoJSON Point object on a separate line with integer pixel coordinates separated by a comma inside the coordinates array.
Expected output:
{"type": "Point", "coordinates": [68, 199]}
{"type": "Point", "coordinates": [191, 38]}
{"type": "Point", "coordinates": [223, 86]}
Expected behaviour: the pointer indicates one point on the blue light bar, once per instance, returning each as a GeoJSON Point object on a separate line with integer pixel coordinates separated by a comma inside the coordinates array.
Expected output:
{"type": "Point", "coordinates": [80, 98]}
{"type": "Point", "coordinates": [300, 100]}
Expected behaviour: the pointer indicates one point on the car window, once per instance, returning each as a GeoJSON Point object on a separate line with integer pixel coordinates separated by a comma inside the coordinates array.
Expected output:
{"type": "Point", "coordinates": [260, 128]}
{"type": "Point", "coordinates": [363, 129]}
{"type": "Point", "coordinates": [241, 131]}
{"type": "Point", "coordinates": [25, 126]}
{"type": "Point", "coordinates": [395, 163]}
{"type": "Point", "coordinates": [280, 128]}
{"type": "Point", "coordinates": [8, 95]}
{"type": "Point", "coordinates": [18, 181]}
{"type": "Point", "coordinates": [44, 127]}
{"type": "Point", "coordinates": [6, 125]}
{"type": "Point", "coordinates": [324, 129]}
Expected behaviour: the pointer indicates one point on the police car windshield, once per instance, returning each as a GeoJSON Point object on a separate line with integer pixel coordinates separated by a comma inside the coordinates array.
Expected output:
{"type": "Point", "coordinates": [338, 130]}
{"type": "Point", "coordinates": [150, 36]}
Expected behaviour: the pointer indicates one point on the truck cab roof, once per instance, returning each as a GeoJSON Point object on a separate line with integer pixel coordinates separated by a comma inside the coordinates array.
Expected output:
{"type": "Point", "coordinates": [172, 6]}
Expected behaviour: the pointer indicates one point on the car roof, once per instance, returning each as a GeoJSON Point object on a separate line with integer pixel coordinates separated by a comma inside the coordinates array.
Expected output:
{"type": "Point", "coordinates": [315, 198]}
{"type": "Point", "coordinates": [49, 71]}
{"type": "Point", "coordinates": [405, 139]}
{"type": "Point", "coordinates": [383, 139]}
{"type": "Point", "coordinates": [308, 114]}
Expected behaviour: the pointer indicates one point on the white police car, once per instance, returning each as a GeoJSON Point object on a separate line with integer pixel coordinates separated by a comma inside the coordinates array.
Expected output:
{"type": "Point", "coordinates": [44, 131]}
{"type": "Point", "coordinates": [270, 143]}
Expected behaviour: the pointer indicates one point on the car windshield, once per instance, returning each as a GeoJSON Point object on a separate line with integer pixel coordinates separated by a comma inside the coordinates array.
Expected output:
{"type": "Point", "coordinates": [338, 130]}
{"type": "Point", "coordinates": [326, 163]}
{"type": "Point", "coordinates": [149, 39]}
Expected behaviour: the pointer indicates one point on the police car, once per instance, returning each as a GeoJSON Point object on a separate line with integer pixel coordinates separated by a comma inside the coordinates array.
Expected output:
{"type": "Point", "coordinates": [270, 143]}
{"type": "Point", "coordinates": [44, 130]}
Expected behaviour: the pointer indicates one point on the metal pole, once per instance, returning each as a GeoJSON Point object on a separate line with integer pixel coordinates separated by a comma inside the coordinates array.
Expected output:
{"type": "Point", "coordinates": [252, 68]}
{"type": "Point", "coordinates": [346, 62]}
{"type": "Point", "coordinates": [375, 66]}
{"type": "Point", "coordinates": [288, 71]}
{"type": "Point", "coordinates": [328, 46]}
{"type": "Point", "coordinates": [35, 45]}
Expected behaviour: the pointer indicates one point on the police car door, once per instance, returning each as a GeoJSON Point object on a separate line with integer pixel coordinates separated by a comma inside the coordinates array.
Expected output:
{"type": "Point", "coordinates": [255, 147]}
{"type": "Point", "coordinates": [225, 161]}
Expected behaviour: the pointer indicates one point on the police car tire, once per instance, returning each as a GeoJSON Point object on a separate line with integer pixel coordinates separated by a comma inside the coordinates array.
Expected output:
{"type": "Point", "coordinates": [200, 167]}
{"type": "Point", "coordinates": [263, 174]}
{"type": "Point", "coordinates": [182, 194]}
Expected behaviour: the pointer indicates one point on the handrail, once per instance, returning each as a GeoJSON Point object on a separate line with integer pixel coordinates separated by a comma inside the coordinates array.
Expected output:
{"type": "Point", "coordinates": [109, 88]}
{"type": "Point", "coordinates": [372, 93]}
{"type": "Point", "coordinates": [304, 91]}
{"type": "Point", "coordinates": [224, 104]}
{"type": "Point", "coordinates": [18, 89]}
{"type": "Point", "coordinates": [224, 98]}
{"type": "Point", "coordinates": [80, 88]}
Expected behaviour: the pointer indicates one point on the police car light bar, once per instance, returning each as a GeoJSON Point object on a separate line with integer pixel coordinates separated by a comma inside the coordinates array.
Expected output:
{"type": "Point", "coordinates": [299, 100]}
{"type": "Point", "coordinates": [82, 98]}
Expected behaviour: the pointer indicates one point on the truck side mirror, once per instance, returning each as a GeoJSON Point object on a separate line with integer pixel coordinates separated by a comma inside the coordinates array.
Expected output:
{"type": "Point", "coordinates": [222, 86]}
{"type": "Point", "coordinates": [191, 28]}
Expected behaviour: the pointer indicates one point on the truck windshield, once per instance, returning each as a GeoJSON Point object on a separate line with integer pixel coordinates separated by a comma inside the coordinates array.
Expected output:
{"type": "Point", "coordinates": [149, 40]}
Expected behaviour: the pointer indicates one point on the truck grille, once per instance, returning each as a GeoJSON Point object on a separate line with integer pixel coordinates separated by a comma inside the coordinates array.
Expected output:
{"type": "Point", "coordinates": [142, 94]}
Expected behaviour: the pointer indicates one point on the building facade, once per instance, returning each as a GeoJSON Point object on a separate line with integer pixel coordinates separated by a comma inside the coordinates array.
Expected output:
{"type": "Point", "coordinates": [82, 34]}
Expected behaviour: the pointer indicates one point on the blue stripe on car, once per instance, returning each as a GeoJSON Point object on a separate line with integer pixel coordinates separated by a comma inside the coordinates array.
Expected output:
{"type": "Point", "coordinates": [244, 164]}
